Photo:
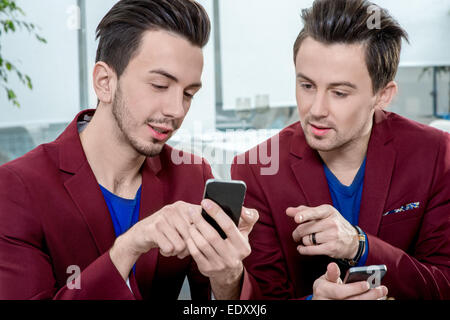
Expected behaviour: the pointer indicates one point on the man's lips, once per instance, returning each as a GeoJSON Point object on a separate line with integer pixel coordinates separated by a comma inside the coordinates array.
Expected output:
{"type": "Point", "coordinates": [160, 132]}
{"type": "Point", "coordinates": [319, 130]}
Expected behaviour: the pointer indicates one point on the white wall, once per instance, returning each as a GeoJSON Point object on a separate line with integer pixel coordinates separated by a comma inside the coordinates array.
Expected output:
{"type": "Point", "coordinates": [258, 37]}
{"type": "Point", "coordinates": [203, 108]}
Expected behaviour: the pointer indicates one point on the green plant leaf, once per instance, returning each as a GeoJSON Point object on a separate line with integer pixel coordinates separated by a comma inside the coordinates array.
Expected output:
{"type": "Point", "coordinates": [11, 25]}
{"type": "Point", "coordinates": [11, 94]}
{"type": "Point", "coordinates": [29, 83]}
{"type": "Point", "coordinates": [40, 38]}
{"type": "Point", "coordinates": [9, 22]}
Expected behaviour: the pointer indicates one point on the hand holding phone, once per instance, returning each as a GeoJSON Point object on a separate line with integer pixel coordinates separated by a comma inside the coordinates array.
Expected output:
{"type": "Point", "coordinates": [229, 195]}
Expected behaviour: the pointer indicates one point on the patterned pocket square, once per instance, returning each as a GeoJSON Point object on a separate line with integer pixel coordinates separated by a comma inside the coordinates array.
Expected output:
{"type": "Point", "coordinates": [411, 206]}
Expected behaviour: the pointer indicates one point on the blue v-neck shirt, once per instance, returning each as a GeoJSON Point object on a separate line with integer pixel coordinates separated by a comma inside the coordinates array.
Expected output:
{"type": "Point", "coordinates": [347, 199]}
{"type": "Point", "coordinates": [124, 212]}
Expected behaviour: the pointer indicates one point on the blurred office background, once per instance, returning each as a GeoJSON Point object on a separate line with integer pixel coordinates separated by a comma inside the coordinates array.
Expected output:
{"type": "Point", "coordinates": [249, 77]}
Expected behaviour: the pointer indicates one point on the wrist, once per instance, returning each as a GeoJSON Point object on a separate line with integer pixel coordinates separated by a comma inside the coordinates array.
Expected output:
{"type": "Point", "coordinates": [123, 256]}
{"type": "Point", "coordinates": [354, 245]}
{"type": "Point", "coordinates": [228, 287]}
{"type": "Point", "coordinates": [353, 261]}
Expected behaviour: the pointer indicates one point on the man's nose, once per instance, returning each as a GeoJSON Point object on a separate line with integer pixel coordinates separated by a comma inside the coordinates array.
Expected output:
{"type": "Point", "coordinates": [174, 107]}
{"type": "Point", "coordinates": [319, 106]}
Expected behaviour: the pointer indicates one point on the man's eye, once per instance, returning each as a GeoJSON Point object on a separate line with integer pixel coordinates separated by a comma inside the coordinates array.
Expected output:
{"type": "Point", "coordinates": [306, 86]}
{"type": "Point", "coordinates": [159, 87]}
{"type": "Point", "coordinates": [188, 95]}
{"type": "Point", "coordinates": [340, 94]}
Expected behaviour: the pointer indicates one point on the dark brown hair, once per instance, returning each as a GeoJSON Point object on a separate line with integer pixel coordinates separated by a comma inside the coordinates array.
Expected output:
{"type": "Point", "coordinates": [349, 21]}
{"type": "Point", "coordinates": [120, 31]}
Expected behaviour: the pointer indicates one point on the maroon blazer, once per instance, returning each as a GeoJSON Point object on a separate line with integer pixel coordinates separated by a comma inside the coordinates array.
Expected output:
{"type": "Point", "coordinates": [406, 163]}
{"type": "Point", "coordinates": [53, 215]}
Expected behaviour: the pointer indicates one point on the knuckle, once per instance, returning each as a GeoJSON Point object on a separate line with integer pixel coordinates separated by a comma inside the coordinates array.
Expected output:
{"type": "Point", "coordinates": [158, 224]}
{"type": "Point", "coordinates": [180, 247]}
{"type": "Point", "coordinates": [244, 252]}
{"type": "Point", "coordinates": [228, 227]}
{"type": "Point", "coordinates": [203, 246]}
{"type": "Point", "coordinates": [255, 214]}
{"type": "Point", "coordinates": [247, 251]}
{"type": "Point", "coordinates": [212, 239]}
{"type": "Point", "coordinates": [178, 205]}
{"type": "Point", "coordinates": [334, 226]}
{"type": "Point", "coordinates": [305, 240]}
{"type": "Point", "coordinates": [193, 251]}
{"type": "Point", "coordinates": [169, 208]}
{"type": "Point", "coordinates": [166, 247]}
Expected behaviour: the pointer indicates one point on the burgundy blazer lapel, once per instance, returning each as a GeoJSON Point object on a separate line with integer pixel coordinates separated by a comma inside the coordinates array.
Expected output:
{"type": "Point", "coordinates": [152, 200]}
{"type": "Point", "coordinates": [381, 157]}
{"type": "Point", "coordinates": [83, 188]}
{"type": "Point", "coordinates": [308, 170]}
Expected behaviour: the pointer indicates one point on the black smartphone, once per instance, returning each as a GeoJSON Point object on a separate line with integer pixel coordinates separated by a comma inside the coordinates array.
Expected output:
{"type": "Point", "coordinates": [372, 274]}
{"type": "Point", "coordinates": [229, 195]}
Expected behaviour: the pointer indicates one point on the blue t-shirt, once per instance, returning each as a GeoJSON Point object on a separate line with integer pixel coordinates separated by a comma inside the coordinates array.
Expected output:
{"type": "Point", "coordinates": [347, 199]}
{"type": "Point", "coordinates": [124, 212]}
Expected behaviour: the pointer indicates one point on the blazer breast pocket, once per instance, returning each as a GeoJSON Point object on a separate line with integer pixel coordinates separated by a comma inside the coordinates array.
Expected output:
{"type": "Point", "coordinates": [405, 212]}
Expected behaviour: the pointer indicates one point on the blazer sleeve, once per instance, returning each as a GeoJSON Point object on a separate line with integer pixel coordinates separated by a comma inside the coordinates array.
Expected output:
{"type": "Point", "coordinates": [426, 273]}
{"type": "Point", "coordinates": [266, 275]}
{"type": "Point", "coordinates": [25, 266]}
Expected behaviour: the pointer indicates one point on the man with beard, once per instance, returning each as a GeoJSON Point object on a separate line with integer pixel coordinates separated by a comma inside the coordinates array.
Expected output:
{"type": "Point", "coordinates": [356, 185]}
{"type": "Point", "coordinates": [103, 212]}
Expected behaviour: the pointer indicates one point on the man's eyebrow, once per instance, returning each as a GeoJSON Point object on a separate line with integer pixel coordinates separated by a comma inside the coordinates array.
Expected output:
{"type": "Point", "coordinates": [344, 83]}
{"type": "Point", "coordinates": [334, 84]}
{"type": "Point", "coordinates": [301, 75]}
{"type": "Point", "coordinates": [173, 78]}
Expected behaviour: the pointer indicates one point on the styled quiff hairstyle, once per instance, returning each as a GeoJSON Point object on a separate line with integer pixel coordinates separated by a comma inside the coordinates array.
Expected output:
{"type": "Point", "coordinates": [349, 22]}
{"type": "Point", "coordinates": [120, 31]}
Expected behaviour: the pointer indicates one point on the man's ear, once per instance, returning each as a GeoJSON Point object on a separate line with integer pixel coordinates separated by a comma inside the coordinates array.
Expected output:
{"type": "Point", "coordinates": [386, 95]}
{"type": "Point", "coordinates": [104, 81]}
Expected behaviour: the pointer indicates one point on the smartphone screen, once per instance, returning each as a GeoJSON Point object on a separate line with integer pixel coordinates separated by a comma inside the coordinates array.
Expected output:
{"type": "Point", "coordinates": [229, 195]}
{"type": "Point", "coordinates": [371, 274]}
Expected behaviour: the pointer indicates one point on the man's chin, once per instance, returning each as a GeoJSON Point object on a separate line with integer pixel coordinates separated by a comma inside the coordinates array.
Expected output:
{"type": "Point", "coordinates": [322, 145]}
{"type": "Point", "coordinates": [150, 151]}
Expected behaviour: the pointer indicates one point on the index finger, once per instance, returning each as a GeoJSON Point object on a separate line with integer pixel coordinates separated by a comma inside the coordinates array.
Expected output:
{"type": "Point", "coordinates": [223, 220]}
{"type": "Point", "coordinates": [337, 291]}
{"type": "Point", "coordinates": [316, 213]}
{"type": "Point", "coordinates": [292, 212]}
